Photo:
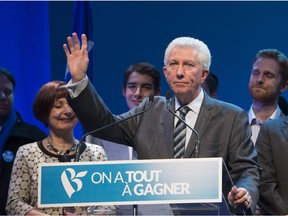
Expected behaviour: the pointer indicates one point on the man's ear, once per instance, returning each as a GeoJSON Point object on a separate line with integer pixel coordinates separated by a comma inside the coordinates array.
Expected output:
{"type": "Point", "coordinates": [204, 75]}
{"type": "Point", "coordinates": [284, 87]}
{"type": "Point", "coordinates": [165, 71]}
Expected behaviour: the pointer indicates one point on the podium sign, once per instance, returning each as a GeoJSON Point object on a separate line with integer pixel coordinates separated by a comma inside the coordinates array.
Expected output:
{"type": "Point", "coordinates": [130, 182]}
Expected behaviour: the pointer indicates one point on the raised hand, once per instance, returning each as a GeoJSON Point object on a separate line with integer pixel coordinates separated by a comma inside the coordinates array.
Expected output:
{"type": "Point", "coordinates": [77, 56]}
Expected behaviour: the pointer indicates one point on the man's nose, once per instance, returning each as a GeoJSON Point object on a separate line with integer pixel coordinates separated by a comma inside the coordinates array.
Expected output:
{"type": "Point", "coordinates": [260, 78]}
{"type": "Point", "coordinates": [180, 69]}
{"type": "Point", "coordinates": [138, 91]}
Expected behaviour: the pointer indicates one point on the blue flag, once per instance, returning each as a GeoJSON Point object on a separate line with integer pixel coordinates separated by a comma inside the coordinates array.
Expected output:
{"type": "Point", "coordinates": [83, 24]}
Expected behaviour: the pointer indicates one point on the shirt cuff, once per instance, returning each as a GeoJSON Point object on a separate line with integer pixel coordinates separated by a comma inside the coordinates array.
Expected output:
{"type": "Point", "coordinates": [76, 88]}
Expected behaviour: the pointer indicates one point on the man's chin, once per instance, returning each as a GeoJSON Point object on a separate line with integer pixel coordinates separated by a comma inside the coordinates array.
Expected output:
{"type": "Point", "coordinates": [4, 111]}
{"type": "Point", "coordinates": [181, 91]}
{"type": "Point", "coordinates": [263, 98]}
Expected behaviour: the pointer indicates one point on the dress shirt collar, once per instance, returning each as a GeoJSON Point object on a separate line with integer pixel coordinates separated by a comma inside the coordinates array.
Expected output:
{"type": "Point", "coordinates": [276, 114]}
{"type": "Point", "coordinates": [194, 105]}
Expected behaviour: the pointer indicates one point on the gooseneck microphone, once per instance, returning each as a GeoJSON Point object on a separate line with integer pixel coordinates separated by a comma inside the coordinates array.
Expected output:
{"type": "Point", "coordinates": [197, 142]}
{"type": "Point", "coordinates": [77, 154]}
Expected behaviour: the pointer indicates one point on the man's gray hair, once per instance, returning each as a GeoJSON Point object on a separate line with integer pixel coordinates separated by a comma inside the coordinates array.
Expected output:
{"type": "Point", "coordinates": [204, 55]}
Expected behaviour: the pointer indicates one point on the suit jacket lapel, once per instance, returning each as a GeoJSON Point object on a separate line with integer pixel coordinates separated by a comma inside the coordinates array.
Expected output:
{"type": "Point", "coordinates": [202, 122]}
{"type": "Point", "coordinates": [168, 124]}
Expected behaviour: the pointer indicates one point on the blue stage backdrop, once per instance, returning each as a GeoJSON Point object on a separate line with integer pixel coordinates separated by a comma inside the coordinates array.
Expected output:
{"type": "Point", "coordinates": [25, 51]}
{"type": "Point", "coordinates": [126, 32]}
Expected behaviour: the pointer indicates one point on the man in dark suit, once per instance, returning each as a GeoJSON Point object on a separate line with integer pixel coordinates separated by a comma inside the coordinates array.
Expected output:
{"type": "Point", "coordinates": [272, 147]}
{"type": "Point", "coordinates": [222, 128]}
{"type": "Point", "coordinates": [14, 132]}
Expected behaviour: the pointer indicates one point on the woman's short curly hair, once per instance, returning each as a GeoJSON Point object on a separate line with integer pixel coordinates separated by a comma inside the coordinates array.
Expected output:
{"type": "Point", "coordinates": [45, 98]}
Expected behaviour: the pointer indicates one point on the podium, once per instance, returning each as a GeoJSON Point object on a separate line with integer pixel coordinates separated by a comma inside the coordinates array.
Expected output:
{"type": "Point", "coordinates": [219, 208]}
{"type": "Point", "coordinates": [188, 186]}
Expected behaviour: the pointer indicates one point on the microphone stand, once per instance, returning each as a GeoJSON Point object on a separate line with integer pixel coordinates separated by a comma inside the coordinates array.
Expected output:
{"type": "Point", "coordinates": [135, 210]}
{"type": "Point", "coordinates": [197, 142]}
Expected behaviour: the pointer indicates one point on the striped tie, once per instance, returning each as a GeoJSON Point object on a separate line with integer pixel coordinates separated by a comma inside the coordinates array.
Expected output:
{"type": "Point", "coordinates": [256, 122]}
{"type": "Point", "coordinates": [180, 133]}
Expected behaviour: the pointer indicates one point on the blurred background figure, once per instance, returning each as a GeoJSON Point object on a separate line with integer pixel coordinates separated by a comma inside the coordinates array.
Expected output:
{"type": "Point", "coordinates": [272, 151]}
{"type": "Point", "coordinates": [51, 108]}
{"type": "Point", "coordinates": [268, 80]}
{"type": "Point", "coordinates": [211, 85]}
{"type": "Point", "coordinates": [14, 132]}
{"type": "Point", "coordinates": [140, 80]}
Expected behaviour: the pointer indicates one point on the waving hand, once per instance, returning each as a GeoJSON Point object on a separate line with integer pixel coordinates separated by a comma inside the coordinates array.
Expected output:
{"type": "Point", "coordinates": [77, 56]}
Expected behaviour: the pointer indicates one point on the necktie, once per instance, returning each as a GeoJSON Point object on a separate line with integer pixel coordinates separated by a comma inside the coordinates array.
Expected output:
{"type": "Point", "coordinates": [180, 134]}
{"type": "Point", "coordinates": [255, 122]}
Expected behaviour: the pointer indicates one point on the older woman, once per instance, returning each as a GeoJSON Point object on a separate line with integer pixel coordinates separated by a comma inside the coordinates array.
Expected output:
{"type": "Point", "coordinates": [51, 108]}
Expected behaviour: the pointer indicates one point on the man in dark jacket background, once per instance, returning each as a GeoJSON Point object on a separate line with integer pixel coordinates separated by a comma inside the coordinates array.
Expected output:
{"type": "Point", "coordinates": [14, 132]}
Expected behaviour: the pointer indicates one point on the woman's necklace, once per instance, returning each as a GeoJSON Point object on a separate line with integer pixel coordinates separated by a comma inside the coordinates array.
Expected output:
{"type": "Point", "coordinates": [52, 148]}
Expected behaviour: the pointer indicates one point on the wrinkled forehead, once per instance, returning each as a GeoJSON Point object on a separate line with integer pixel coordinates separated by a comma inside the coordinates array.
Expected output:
{"type": "Point", "coordinates": [184, 55]}
{"type": "Point", "coordinates": [137, 77]}
{"type": "Point", "coordinates": [266, 64]}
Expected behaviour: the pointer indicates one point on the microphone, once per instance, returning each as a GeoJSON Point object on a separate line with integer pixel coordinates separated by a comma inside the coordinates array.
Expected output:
{"type": "Point", "coordinates": [77, 154]}
{"type": "Point", "coordinates": [197, 142]}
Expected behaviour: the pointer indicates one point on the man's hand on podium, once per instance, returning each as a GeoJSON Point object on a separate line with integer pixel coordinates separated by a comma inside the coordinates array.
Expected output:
{"type": "Point", "coordinates": [239, 196]}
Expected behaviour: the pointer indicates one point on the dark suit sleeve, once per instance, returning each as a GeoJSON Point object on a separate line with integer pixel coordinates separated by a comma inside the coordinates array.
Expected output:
{"type": "Point", "coordinates": [242, 163]}
{"type": "Point", "coordinates": [93, 114]}
{"type": "Point", "coordinates": [272, 200]}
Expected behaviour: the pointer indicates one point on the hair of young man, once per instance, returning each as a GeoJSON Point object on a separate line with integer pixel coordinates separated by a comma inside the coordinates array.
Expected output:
{"type": "Point", "coordinates": [143, 68]}
{"type": "Point", "coordinates": [277, 56]}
